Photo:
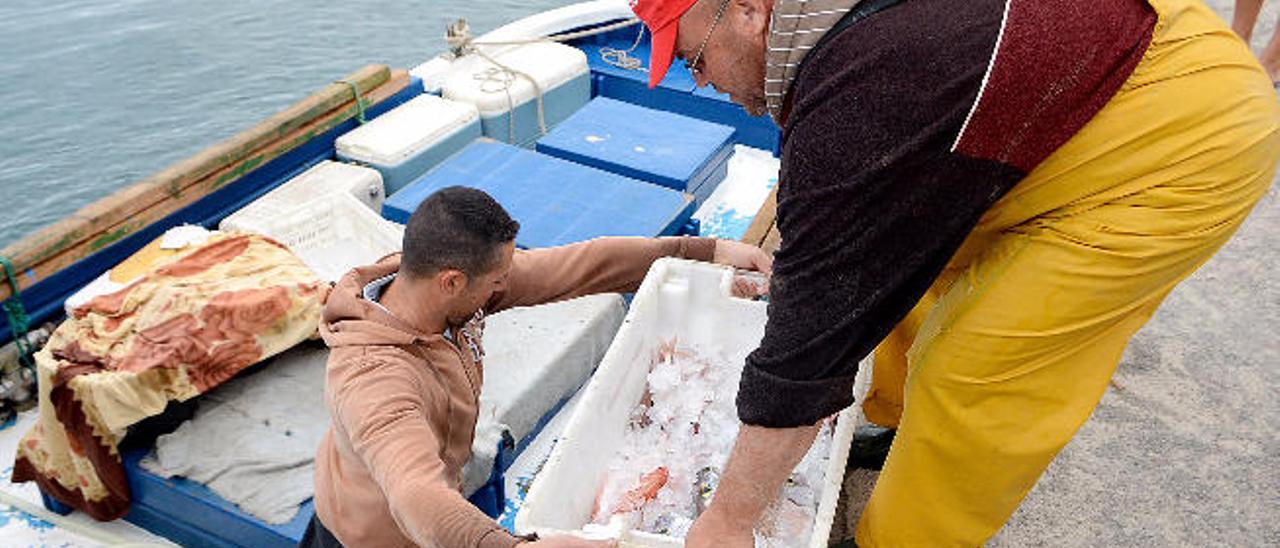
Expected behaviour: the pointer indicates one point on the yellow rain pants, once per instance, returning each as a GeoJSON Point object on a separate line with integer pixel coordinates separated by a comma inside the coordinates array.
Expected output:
{"type": "Point", "coordinates": [1006, 357]}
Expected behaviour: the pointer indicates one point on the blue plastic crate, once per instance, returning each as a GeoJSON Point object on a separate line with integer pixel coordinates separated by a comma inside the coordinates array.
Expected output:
{"type": "Point", "coordinates": [660, 147]}
{"type": "Point", "coordinates": [556, 201]}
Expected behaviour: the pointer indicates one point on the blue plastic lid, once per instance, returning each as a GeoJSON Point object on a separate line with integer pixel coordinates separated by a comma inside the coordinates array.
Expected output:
{"type": "Point", "coordinates": [652, 145]}
{"type": "Point", "coordinates": [557, 202]}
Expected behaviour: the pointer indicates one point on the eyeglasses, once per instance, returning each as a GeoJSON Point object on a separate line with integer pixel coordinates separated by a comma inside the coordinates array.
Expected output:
{"type": "Point", "coordinates": [697, 57]}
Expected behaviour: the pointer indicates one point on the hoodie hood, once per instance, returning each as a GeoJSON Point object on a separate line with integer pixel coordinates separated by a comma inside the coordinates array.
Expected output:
{"type": "Point", "coordinates": [349, 319]}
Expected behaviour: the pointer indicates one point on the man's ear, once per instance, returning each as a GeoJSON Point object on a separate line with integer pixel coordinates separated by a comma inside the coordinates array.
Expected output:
{"type": "Point", "coordinates": [452, 282]}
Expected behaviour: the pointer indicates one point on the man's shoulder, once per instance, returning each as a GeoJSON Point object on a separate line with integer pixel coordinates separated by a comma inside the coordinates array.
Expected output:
{"type": "Point", "coordinates": [920, 45]}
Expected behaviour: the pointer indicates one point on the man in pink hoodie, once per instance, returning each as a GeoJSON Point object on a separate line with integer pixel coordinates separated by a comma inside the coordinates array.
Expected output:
{"type": "Point", "coordinates": [405, 370]}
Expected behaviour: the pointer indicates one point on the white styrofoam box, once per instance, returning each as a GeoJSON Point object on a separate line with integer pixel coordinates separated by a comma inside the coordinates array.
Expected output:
{"type": "Point", "coordinates": [681, 297]}
{"type": "Point", "coordinates": [411, 138]}
{"type": "Point", "coordinates": [327, 177]}
{"type": "Point", "coordinates": [507, 102]}
{"type": "Point", "coordinates": [332, 233]}
{"type": "Point", "coordinates": [535, 358]}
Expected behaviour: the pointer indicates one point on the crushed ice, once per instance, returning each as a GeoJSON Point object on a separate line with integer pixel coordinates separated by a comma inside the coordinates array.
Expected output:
{"type": "Point", "coordinates": [676, 444]}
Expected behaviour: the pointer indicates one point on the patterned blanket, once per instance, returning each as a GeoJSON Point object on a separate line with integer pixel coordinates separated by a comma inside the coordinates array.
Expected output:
{"type": "Point", "coordinates": [177, 331]}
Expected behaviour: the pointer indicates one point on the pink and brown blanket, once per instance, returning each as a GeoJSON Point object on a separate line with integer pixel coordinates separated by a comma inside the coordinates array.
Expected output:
{"type": "Point", "coordinates": [177, 331]}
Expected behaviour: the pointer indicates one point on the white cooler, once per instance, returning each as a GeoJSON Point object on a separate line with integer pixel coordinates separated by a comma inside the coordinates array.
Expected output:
{"type": "Point", "coordinates": [678, 297]}
{"type": "Point", "coordinates": [411, 139]}
{"type": "Point", "coordinates": [508, 102]}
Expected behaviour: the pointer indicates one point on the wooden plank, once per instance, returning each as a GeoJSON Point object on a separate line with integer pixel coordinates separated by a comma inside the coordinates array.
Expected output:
{"type": "Point", "coordinates": [763, 221]}
{"type": "Point", "coordinates": [94, 220]}
{"type": "Point", "coordinates": [772, 240]}
{"type": "Point", "coordinates": [157, 211]}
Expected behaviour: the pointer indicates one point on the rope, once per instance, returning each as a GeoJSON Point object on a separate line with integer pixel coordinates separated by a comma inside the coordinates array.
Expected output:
{"type": "Point", "coordinates": [506, 80]}
{"type": "Point", "coordinates": [622, 58]}
{"type": "Point", "coordinates": [19, 323]}
{"type": "Point", "coordinates": [355, 92]}
{"type": "Point", "coordinates": [502, 77]}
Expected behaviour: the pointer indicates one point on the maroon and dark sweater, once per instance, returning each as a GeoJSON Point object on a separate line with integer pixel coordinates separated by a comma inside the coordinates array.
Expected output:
{"type": "Point", "coordinates": [903, 129]}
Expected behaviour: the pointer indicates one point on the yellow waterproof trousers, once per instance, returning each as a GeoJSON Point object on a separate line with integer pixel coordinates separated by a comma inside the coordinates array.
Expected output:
{"type": "Point", "coordinates": [1006, 357]}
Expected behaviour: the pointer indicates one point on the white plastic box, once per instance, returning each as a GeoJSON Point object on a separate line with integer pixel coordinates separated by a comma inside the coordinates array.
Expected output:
{"type": "Point", "coordinates": [508, 102]}
{"type": "Point", "coordinates": [685, 298]}
{"type": "Point", "coordinates": [411, 139]}
{"type": "Point", "coordinates": [332, 233]}
{"type": "Point", "coordinates": [327, 177]}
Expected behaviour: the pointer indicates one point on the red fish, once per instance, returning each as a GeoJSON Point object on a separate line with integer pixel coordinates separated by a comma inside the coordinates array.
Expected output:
{"type": "Point", "coordinates": [646, 491]}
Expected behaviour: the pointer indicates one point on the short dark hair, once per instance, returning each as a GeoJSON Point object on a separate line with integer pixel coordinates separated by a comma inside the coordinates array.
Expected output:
{"type": "Point", "coordinates": [456, 227]}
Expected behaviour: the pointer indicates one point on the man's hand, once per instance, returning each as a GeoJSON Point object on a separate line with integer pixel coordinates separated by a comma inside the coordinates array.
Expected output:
{"type": "Point", "coordinates": [567, 541]}
{"type": "Point", "coordinates": [744, 256]}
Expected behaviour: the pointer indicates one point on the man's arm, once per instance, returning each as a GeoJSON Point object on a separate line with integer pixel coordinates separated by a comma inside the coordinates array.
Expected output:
{"type": "Point", "coordinates": [609, 265]}
{"type": "Point", "coordinates": [762, 459]}
{"type": "Point", "coordinates": [602, 265]}
{"type": "Point", "coordinates": [385, 415]}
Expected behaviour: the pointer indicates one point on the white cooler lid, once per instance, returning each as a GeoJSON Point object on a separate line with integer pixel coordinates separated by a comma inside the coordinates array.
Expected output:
{"type": "Point", "coordinates": [406, 130]}
{"type": "Point", "coordinates": [549, 63]}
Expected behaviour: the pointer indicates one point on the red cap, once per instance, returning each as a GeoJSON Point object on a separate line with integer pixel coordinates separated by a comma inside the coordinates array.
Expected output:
{"type": "Point", "coordinates": [663, 19]}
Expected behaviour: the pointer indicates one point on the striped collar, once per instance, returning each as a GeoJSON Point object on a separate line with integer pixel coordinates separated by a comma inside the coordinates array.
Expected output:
{"type": "Point", "coordinates": [795, 27]}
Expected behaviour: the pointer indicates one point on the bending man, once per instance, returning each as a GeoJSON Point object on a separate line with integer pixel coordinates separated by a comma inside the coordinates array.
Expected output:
{"type": "Point", "coordinates": [998, 194]}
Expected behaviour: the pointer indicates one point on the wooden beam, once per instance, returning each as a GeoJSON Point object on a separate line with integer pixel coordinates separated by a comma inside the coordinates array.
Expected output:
{"type": "Point", "coordinates": [144, 213]}
{"type": "Point", "coordinates": [772, 240]}
{"type": "Point", "coordinates": [763, 221]}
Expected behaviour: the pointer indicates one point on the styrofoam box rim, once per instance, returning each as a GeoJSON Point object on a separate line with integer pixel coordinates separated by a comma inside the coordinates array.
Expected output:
{"type": "Point", "coordinates": [426, 120]}
{"type": "Point", "coordinates": [285, 218]}
{"type": "Point", "coordinates": [549, 63]}
{"type": "Point", "coordinates": [841, 437]}
{"type": "Point", "coordinates": [308, 185]}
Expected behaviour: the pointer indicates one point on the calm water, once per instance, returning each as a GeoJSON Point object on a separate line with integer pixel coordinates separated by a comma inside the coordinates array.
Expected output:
{"type": "Point", "coordinates": [95, 95]}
